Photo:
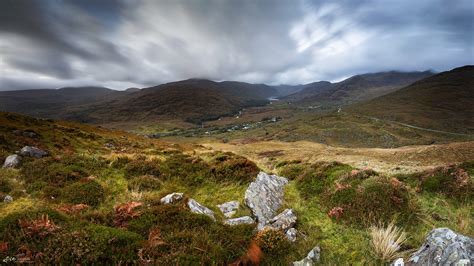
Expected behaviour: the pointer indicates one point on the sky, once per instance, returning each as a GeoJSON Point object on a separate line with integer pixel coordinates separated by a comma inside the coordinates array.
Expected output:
{"type": "Point", "coordinates": [140, 43]}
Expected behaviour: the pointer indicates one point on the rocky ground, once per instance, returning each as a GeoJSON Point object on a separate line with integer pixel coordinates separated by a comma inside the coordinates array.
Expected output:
{"type": "Point", "coordinates": [75, 194]}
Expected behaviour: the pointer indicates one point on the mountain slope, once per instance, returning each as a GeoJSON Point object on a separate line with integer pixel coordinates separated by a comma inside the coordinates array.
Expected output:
{"type": "Point", "coordinates": [355, 89]}
{"type": "Point", "coordinates": [193, 100]}
{"type": "Point", "coordinates": [442, 102]}
{"type": "Point", "coordinates": [45, 102]}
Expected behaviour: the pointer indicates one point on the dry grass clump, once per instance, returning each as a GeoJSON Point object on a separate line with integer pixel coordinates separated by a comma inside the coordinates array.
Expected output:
{"type": "Point", "coordinates": [386, 241]}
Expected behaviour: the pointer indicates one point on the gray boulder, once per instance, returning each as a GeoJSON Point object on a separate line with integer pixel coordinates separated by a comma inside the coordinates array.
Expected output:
{"type": "Point", "coordinates": [33, 152]}
{"type": "Point", "coordinates": [264, 196]}
{"type": "Point", "coordinates": [291, 234]}
{"type": "Point", "coordinates": [312, 258]}
{"type": "Point", "coordinates": [195, 207]}
{"type": "Point", "coordinates": [283, 221]}
{"type": "Point", "coordinates": [171, 198]}
{"type": "Point", "coordinates": [12, 161]}
{"type": "Point", "coordinates": [444, 247]}
{"type": "Point", "coordinates": [240, 220]}
{"type": "Point", "coordinates": [8, 199]}
{"type": "Point", "coordinates": [229, 208]}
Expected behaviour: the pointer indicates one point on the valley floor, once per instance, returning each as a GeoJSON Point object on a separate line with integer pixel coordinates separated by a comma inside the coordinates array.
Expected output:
{"type": "Point", "coordinates": [408, 159]}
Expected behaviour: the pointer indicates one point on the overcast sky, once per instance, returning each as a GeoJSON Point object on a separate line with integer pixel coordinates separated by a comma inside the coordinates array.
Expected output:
{"type": "Point", "coordinates": [139, 43]}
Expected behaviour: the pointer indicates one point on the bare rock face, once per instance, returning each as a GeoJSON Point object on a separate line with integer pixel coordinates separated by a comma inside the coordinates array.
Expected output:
{"type": "Point", "coordinates": [264, 196]}
{"type": "Point", "coordinates": [444, 247]}
{"type": "Point", "coordinates": [195, 207]}
{"type": "Point", "coordinates": [171, 198]}
{"type": "Point", "coordinates": [240, 220]}
{"type": "Point", "coordinates": [229, 208]}
{"type": "Point", "coordinates": [12, 161]}
{"type": "Point", "coordinates": [33, 152]}
{"type": "Point", "coordinates": [311, 259]}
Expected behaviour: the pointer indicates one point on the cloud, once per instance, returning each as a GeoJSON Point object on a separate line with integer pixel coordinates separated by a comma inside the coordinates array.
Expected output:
{"type": "Point", "coordinates": [120, 43]}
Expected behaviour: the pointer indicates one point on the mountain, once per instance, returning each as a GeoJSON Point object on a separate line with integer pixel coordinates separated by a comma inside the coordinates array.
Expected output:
{"type": "Point", "coordinates": [192, 100]}
{"type": "Point", "coordinates": [442, 102]}
{"type": "Point", "coordinates": [355, 89]}
{"type": "Point", "coordinates": [44, 102]}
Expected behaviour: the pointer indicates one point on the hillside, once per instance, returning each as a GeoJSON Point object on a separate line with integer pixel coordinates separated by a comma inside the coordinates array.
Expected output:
{"type": "Point", "coordinates": [355, 89]}
{"type": "Point", "coordinates": [47, 102]}
{"type": "Point", "coordinates": [96, 197]}
{"type": "Point", "coordinates": [191, 100]}
{"type": "Point", "coordinates": [442, 102]}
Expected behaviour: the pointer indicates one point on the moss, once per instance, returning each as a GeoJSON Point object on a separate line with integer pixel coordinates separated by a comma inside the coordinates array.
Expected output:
{"type": "Point", "coordinates": [88, 192]}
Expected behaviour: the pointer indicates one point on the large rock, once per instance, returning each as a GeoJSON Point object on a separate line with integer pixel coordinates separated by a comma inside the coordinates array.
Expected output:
{"type": "Point", "coordinates": [12, 161]}
{"type": "Point", "coordinates": [33, 152]}
{"type": "Point", "coordinates": [283, 221]}
{"type": "Point", "coordinates": [171, 198]}
{"type": "Point", "coordinates": [229, 208]}
{"type": "Point", "coordinates": [312, 258]}
{"type": "Point", "coordinates": [195, 207]}
{"type": "Point", "coordinates": [444, 247]}
{"type": "Point", "coordinates": [240, 220]}
{"type": "Point", "coordinates": [264, 196]}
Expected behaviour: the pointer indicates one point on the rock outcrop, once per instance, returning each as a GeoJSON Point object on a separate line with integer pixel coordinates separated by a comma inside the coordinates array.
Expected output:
{"type": "Point", "coordinates": [312, 258]}
{"type": "Point", "coordinates": [283, 221]}
{"type": "Point", "coordinates": [240, 220]}
{"type": "Point", "coordinates": [264, 196]}
{"type": "Point", "coordinates": [229, 208]}
{"type": "Point", "coordinates": [196, 207]}
{"type": "Point", "coordinates": [33, 152]}
{"type": "Point", "coordinates": [444, 247]}
{"type": "Point", "coordinates": [171, 198]}
{"type": "Point", "coordinates": [12, 161]}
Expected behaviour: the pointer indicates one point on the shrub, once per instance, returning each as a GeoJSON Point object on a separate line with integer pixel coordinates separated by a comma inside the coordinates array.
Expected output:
{"type": "Point", "coordinates": [319, 176]}
{"type": "Point", "coordinates": [185, 168]}
{"type": "Point", "coordinates": [386, 242]}
{"type": "Point", "coordinates": [231, 167]}
{"type": "Point", "coordinates": [272, 242]}
{"type": "Point", "coordinates": [373, 199]}
{"type": "Point", "coordinates": [144, 183]}
{"type": "Point", "coordinates": [189, 238]}
{"type": "Point", "coordinates": [141, 166]}
{"type": "Point", "coordinates": [84, 192]}
{"type": "Point", "coordinates": [452, 181]}
{"type": "Point", "coordinates": [6, 185]}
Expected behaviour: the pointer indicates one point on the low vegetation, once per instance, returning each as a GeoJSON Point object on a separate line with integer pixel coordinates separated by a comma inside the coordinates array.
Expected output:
{"type": "Point", "coordinates": [96, 199]}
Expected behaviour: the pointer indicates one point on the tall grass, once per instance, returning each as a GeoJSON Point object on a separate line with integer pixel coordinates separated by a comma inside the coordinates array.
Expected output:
{"type": "Point", "coordinates": [386, 241]}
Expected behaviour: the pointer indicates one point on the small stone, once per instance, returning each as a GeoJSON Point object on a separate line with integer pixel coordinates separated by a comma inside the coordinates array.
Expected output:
{"type": "Point", "coordinates": [8, 199]}
{"type": "Point", "coordinates": [12, 161]}
{"type": "Point", "coordinates": [291, 234]}
{"type": "Point", "coordinates": [312, 258]}
{"type": "Point", "coordinates": [171, 198]}
{"type": "Point", "coordinates": [398, 262]}
{"type": "Point", "coordinates": [33, 152]}
{"type": "Point", "coordinates": [229, 208]}
{"type": "Point", "coordinates": [283, 221]}
{"type": "Point", "coordinates": [240, 220]}
{"type": "Point", "coordinates": [196, 207]}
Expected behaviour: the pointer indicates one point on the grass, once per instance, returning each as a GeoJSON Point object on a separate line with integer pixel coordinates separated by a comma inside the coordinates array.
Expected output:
{"type": "Point", "coordinates": [386, 241]}
{"type": "Point", "coordinates": [142, 170]}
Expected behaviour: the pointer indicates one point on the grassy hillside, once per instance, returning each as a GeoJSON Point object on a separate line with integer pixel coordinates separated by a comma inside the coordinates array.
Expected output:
{"type": "Point", "coordinates": [355, 89]}
{"type": "Point", "coordinates": [441, 102]}
{"type": "Point", "coordinates": [95, 199]}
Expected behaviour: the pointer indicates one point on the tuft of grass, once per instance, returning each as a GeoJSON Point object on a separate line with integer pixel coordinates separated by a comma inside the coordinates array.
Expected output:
{"type": "Point", "coordinates": [386, 241]}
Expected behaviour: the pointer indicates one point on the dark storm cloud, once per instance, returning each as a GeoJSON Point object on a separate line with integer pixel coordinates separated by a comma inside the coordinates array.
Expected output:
{"type": "Point", "coordinates": [122, 43]}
